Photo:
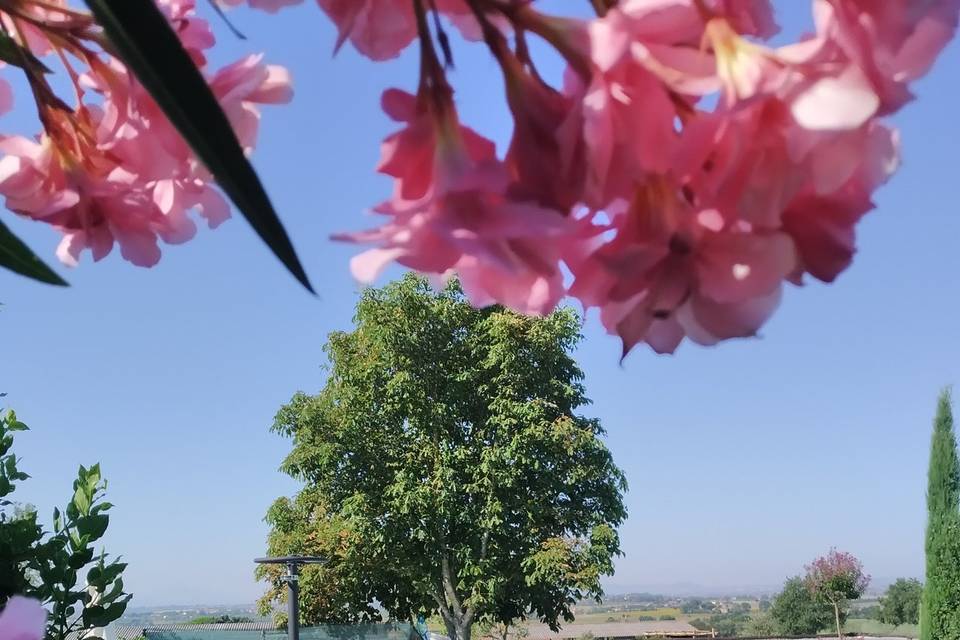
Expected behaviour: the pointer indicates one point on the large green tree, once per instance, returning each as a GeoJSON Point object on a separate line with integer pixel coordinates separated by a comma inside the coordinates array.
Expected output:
{"type": "Point", "coordinates": [940, 609]}
{"type": "Point", "coordinates": [446, 468]}
{"type": "Point", "coordinates": [796, 611]}
{"type": "Point", "coordinates": [901, 603]}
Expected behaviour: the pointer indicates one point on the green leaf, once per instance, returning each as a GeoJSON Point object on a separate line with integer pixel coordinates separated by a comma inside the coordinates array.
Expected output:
{"type": "Point", "coordinates": [102, 575]}
{"type": "Point", "coordinates": [18, 426]}
{"type": "Point", "coordinates": [81, 499]}
{"type": "Point", "coordinates": [114, 592]}
{"type": "Point", "coordinates": [93, 526]}
{"type": "Point", "coordinates": [13, 53]}
{"type": "Point", "coordinates": [146, 43]}
{"type": "Point", "coordinates": [99, 616]}
{"type": "Point", "coordinates": [103, 506]}
{"type": "Point", "coordinates": [81, 557]}
{"type": "Point", "coordinates": [17, 257]}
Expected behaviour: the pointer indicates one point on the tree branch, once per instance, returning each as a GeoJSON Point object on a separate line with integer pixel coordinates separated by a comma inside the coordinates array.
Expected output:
{"type": "Point", "coordinates": [484, 544]}
{"type": "Point", "coordinates": [448, 586]}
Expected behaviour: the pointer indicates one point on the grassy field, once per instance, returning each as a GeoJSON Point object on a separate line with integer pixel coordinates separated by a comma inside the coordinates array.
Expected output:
{"type": "Point", "coordinates": [626, 616]}
{"type": "Point", "coordinates": [874, 627]}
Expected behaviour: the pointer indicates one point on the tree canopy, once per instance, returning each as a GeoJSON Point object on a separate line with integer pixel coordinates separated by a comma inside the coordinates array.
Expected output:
{"type": "Point", "coordinates": [901, 603]}
{"type": "Point", "coordinates": [797, 612]}
{"type": "Point", "coordinates": [836, 578]}
{"type": "Point", "coordinates": [446, 468]}
{"type": "Point", "coordinates": [940, 611]}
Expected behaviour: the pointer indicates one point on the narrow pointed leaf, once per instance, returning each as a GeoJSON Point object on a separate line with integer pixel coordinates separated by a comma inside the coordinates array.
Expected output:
{"type": "Point", "coordinates": [17, 257]}
{"type": "Point", "coordinates": [13, 53]}
{"type": "Point", "coordinates": [141, 36]}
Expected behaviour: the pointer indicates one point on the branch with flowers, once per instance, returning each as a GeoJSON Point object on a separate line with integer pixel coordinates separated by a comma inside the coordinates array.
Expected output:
{"type": "Point", "coordinates": [680, 177]}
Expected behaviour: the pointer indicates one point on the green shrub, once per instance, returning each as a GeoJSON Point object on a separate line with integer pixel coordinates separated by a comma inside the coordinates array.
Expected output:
{"type": "Point", "coordinates": [47, 565]}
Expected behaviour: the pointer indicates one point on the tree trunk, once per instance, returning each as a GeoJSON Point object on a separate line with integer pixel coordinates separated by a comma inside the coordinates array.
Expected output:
{"type": "Point", "coordinates": [459, 628]}
{"type": "Point", "coordinates": [836, 613]}
{"type": "Point", "coordinates": [456, 617]}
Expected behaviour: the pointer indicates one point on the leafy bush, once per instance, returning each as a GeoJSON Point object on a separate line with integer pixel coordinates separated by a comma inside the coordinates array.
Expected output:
{"type": "Point", "coordinates": [871, 612]}
{"type": "Point", "coordinates": [696, 605]}
{"type": "Point", "coordinates": [761, 626]}
{"type": "Point", "coordinates": [46, 565]}
{"type": "Point", "coordinates": [700, 623]}
{"type": "Point", "coordinates": [797, 612]}
{"type": "Point", "coordinates": [224, 619]}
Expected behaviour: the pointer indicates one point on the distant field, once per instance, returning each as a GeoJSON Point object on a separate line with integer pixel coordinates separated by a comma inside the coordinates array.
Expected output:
{"type": "Point", "coordinates": [874, 627]}
{"type": "Point", "coordinates": [627, 616]}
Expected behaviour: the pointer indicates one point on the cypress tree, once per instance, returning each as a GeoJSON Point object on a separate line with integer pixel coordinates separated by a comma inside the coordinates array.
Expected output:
{"type": "Point", "coordinates": [940, 612]}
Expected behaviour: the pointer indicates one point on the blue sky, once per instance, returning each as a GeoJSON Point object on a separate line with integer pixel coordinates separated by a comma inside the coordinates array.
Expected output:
{"type": "Point", "coordinates": [744, 460]}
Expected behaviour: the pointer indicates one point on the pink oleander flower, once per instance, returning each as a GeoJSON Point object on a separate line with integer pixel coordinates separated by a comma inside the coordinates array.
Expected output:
{"type": "Point", "coordinates": [22, 619]}
{"type": "Point", "coordinates": [411, 154]}
{"type": "Point", "coordinates": [547, 156]}
{"type": "Point", "coordinates": [451, 213]}
{"type": "Point", "coordinates": [503, 251]}
{"type": "Point", "coordinates": [893, 43]}
{"type": "Point", "coordinates": [270, 6]}
{"type": "Point", "coordinates": [822, 221]}
{"type": "Point", "coordinates": [748, 17]}
{"type": "Point", "coordinates": [117, 171]}
{"type": "Point", "coordinates": [240, 86]}
{"type": "Point", "coordinates": [194, 32]}
{"type": "Point", "coordinates": [628, 112]}
{"type": "Point", "coordinates": [682, 172]}
{"type": "Point", "coordinates": [6, 94]}
{"type": "Point", "coordinates": [673, 270]}
{"type": "Point", "coordinates": [822, 93]}
{"type": "Point", "coordinates": [381, 29]}
{"type": "Point", "coordinates": [93, 206]}
{"type": "Point", "coordinates": [741, 163]}
{"type": "Point", "coordinates": [33, 35]}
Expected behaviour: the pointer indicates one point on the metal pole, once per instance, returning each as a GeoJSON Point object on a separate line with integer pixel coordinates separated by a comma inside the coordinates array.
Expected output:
{"type": "Point", "coordinates": [293, 602]}
{"type": "Point", "coordinates": [292, 578]}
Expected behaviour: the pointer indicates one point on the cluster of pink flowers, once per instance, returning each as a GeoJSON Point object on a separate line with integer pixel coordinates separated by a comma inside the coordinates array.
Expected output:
{"type": "Point", "coordinates": [22, 619]}
{"type": "Point", "coordinates": [111, 168]}
{"type": "Point", "coordinates": [682, 174]}
{"type": "Point", "coordinates": [837, 576]}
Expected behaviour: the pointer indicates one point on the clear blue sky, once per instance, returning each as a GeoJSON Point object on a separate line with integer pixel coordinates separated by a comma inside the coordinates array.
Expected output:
{"type": "Point", "coordinates": [744, 461]}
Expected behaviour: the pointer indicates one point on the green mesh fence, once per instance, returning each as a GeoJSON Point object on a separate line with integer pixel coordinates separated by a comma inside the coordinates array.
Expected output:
{"type": "Point", "coordinates": [323, 632]}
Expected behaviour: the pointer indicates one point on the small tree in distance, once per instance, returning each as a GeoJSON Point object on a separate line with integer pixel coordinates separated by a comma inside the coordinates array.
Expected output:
{"type": "Point", "coordinates": [901, 603]}
{"type": "Point", "coordinates": [797, 612]}
{"type": "Point", "coordinates": [836, 578]}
